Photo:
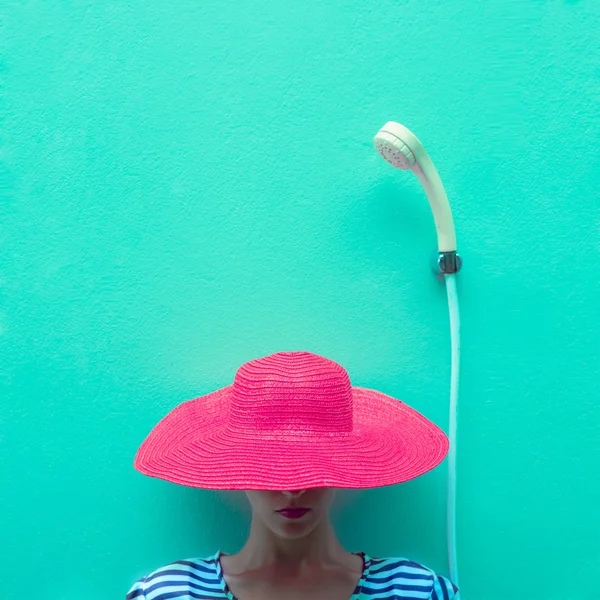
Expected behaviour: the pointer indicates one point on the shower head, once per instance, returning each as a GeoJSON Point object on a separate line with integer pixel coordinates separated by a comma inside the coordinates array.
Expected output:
{"type": "Point", "coordinates": [394, 150]}
{"type": "Point", "coordinates": [402, 149]}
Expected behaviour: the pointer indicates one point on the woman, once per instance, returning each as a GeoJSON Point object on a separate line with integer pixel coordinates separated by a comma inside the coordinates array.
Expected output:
{"type": "Point", "coordinates": [289, 431]}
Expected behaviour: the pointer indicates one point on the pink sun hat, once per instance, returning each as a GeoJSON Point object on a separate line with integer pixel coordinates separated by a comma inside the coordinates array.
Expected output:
{"type": "Point", "coordinates": [291, 420]}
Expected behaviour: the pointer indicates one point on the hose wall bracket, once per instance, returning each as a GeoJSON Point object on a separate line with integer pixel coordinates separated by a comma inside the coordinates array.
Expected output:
{"type": "Point", "coordinates": [446, 263]}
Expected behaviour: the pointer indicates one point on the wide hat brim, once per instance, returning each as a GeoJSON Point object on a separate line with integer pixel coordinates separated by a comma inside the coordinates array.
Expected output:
{"type": "Point", "coordinates": [390, 443]}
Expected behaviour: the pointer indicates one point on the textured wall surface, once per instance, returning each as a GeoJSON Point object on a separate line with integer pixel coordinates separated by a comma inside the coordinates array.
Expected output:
{"type": "Point", "coordinates": [190, 185]}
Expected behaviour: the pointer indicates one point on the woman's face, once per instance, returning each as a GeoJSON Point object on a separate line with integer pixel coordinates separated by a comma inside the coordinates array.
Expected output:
{"type": "Point", "coordinates": [265, 505]}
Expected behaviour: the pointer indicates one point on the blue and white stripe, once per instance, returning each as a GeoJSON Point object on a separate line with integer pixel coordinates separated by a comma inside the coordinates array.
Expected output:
{"type": "Point", "coordinates": [383, 579]}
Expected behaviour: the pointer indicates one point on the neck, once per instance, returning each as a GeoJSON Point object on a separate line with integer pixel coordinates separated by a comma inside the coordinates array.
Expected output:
{"type": "Point", "coordinates": [263, 548]}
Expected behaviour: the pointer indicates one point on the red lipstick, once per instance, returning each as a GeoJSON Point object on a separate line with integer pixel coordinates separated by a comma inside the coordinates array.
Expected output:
{"type": "Point", "coordinates": [293, 513]}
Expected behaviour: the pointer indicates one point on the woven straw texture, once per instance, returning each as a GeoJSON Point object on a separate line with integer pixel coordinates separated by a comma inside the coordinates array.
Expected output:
{"type": "Point", "coordinates": [291, 420]}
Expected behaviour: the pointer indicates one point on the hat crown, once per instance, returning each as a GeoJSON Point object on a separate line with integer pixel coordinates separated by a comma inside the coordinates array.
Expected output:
{"type": "Point", "coordinates": [291, 392]}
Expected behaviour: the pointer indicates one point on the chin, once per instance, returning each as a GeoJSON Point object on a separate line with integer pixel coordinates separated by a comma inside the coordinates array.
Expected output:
{"type": "Point", "coordinates": [293, 528]}
{"type": "Point", "coordinates": [296, 533]}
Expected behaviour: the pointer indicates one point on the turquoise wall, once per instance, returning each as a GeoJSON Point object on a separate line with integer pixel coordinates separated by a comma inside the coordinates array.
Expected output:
{"type": "Point", "coordinates": [191, 185]}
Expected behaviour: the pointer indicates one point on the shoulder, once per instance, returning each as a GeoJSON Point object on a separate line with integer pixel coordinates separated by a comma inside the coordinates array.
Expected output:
{"type": "Point", "coordinates": [408, 579]}
{"type": "Point", "coordinates": [197, 574]}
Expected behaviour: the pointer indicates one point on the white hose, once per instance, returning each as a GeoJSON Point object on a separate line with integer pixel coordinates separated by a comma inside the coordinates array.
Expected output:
{"type": "Point", "coordinates": [454, 379]}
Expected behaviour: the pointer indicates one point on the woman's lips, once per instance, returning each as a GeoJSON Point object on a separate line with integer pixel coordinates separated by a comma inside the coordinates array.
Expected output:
{"type": "Point", "coordinates": [295, 513]}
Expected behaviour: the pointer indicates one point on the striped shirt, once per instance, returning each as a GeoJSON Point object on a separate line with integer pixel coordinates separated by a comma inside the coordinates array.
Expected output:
{"type": "Point", "coordinates": [382, 579]}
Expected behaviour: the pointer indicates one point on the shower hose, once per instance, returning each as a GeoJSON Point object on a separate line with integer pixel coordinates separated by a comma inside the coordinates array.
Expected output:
{"type": "Point", "coordinates": [450, 280]}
